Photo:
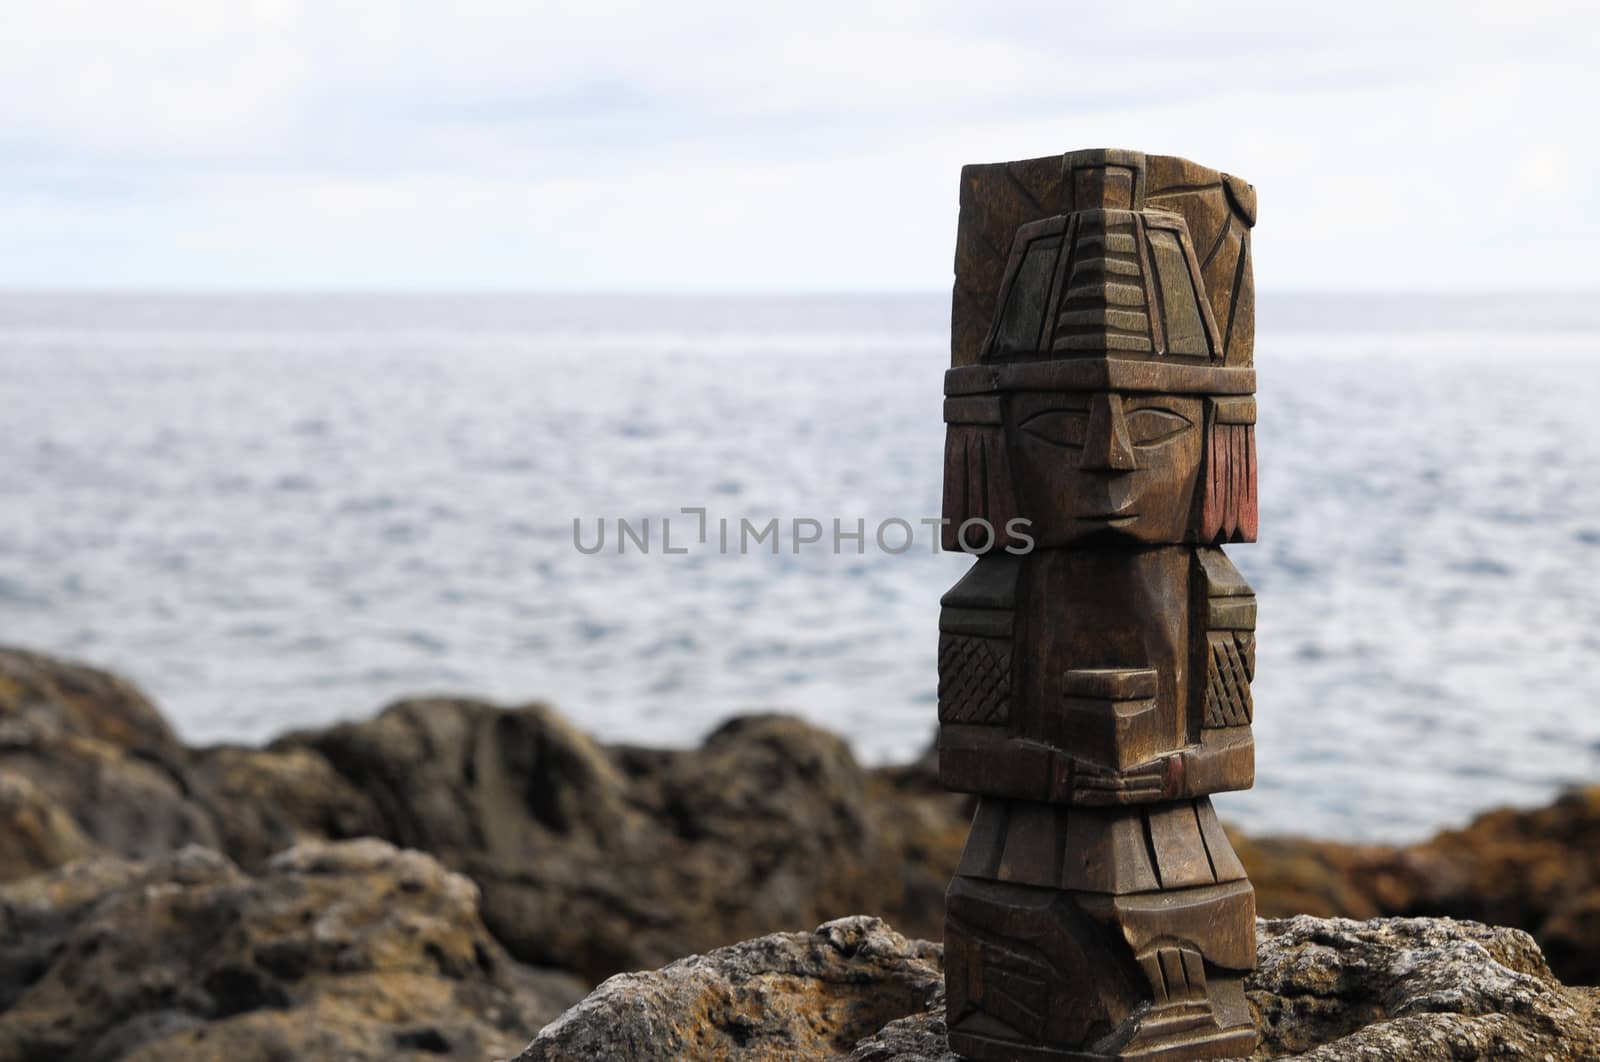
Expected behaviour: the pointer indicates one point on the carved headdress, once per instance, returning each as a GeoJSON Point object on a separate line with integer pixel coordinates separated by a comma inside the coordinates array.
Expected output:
{"type": "Point", "coordinates": [1109, 271]}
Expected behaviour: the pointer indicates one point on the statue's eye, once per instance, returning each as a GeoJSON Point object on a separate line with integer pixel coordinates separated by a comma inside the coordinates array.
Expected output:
{"type": "Point", "coordinates": [1059, 427]}
{"type": "Point", "coordinates": [1152, 427]}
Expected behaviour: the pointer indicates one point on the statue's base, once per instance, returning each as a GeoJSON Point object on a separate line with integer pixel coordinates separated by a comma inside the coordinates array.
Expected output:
{"type": "Point", "coordinates": [1035, 974]}
{"type": "Point", "coordinates": [1226, 1043]}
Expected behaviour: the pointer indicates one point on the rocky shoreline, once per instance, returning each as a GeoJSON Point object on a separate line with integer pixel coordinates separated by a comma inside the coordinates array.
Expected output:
{"type": "Point", "coordinates": [1325, 990]}
{"type": "Point", "coordinates": [443, 879]}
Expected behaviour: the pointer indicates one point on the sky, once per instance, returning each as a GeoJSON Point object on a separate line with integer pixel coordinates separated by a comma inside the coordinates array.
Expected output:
{"type": "Point", "coordinates": [593, 146]}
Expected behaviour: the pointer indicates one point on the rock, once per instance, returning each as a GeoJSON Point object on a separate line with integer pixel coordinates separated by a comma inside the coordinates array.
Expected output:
{"type": "Point", "coordinates": [783, 828]}
{"type": "Point", "coordinates": [89, 766]}
{"type": "Point", "coordinates": [1293, 875]}
{"type": "Point", "coordinates": [1326, 990]}
{"type": "Point", "coordinates": [42, 694]}
{"type": "Point", "coordinates": [918, 1038]}
{"type": "Point", "coordinates": [262, 801]}
{"type": "Point", "coordinates": [1537, 870]}
{"type": "Point", "coordinates": [354, 950]}
{"type": "Point", "coordinates": [526, 805]}
{"type": "Point", "coordinates": [590, 858]}
{"type": "Point", "coordinates": [601, 859]}
{"type": "Point", "coordinates": [36, 833]}
{"type": "Point", "coordinates": [784, 996]}
{"type": "Point", "coordinates": [1415, 989]}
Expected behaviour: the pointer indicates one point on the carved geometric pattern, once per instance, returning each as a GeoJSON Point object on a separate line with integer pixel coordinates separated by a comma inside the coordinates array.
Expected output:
{"type": "Point", "coordinates": [1009, 982]}
{"type": "Point", "coordinates": [1015, 988]}
{"type": "Point", "coordinates": [1228, 673]}
{"type": "Point", "coordinates": [974, 679]}
{"type": "Point", "coordinates": [1104, 306]}
{"type": "Point", "coordinates": [1177, 974]}
{"type": "Point", "coordinates": [995, 201]}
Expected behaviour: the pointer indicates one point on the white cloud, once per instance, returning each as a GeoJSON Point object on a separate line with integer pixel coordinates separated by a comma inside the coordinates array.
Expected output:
{"type": "Point", "coordinates": [741, 146]}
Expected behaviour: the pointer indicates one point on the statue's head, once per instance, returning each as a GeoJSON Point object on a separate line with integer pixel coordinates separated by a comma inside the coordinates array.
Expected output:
{"type": "Point", "coordinates": [1103, 405]}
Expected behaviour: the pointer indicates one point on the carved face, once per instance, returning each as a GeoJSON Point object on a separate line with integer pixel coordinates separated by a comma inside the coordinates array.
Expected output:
{"type": "Point", "coordinates": [1104, 463]}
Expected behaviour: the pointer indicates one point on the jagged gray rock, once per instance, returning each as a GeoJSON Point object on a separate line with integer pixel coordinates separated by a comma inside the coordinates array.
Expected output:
{"type": "Point", "coordinates": [1335, 989]}
{"type": "Point", "coordinates": [1326, 990]}
{"type": "Point", "coordinates": [599, 859]}
{"type": "Point", "coordinates": [350, 950]}
{"type": "Point", "coordinates": [782, 996]}
{"type": "Point", "coordinates": [87, 767]}
{"type": "Point", "coordinates": [590, 858]}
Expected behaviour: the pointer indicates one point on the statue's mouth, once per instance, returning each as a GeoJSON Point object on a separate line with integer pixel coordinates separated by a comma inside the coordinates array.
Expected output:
{"type": "Point", "coordinates": [1110, 519]}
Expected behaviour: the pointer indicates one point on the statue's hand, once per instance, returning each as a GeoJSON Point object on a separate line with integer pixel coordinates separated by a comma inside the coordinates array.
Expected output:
{"type": "Point", "coordinates": [1096, 784]}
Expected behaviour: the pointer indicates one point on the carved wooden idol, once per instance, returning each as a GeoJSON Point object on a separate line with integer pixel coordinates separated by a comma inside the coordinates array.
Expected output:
{"type": "Point", "coordinates": [1094, 689]}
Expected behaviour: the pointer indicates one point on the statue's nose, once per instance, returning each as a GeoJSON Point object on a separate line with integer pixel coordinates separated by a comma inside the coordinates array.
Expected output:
{"type": "Point", "coordinates": [1106, 446]}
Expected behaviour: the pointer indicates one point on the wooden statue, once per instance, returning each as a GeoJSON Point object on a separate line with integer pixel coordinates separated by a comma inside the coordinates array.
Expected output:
{"type": "Point", "coordinates": [1095, 662]}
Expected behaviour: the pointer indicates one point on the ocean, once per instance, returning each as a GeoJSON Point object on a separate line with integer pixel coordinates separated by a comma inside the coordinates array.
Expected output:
{"type": "Point", "coordinates": [280, 511]}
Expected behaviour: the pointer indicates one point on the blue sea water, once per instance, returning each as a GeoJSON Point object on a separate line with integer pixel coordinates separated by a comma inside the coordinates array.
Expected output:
{"type": "Point", "coordinates": [277, 512]}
